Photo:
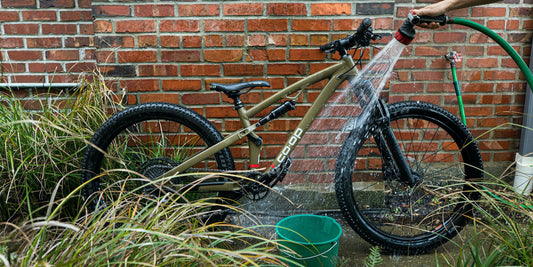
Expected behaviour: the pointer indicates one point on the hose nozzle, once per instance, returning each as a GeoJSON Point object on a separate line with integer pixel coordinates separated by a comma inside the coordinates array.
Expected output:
{"type": "Point", "coordinates": [406, 33]}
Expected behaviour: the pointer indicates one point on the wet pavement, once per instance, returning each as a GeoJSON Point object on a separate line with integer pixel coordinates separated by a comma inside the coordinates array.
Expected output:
{"type": "Point", "coordinates": [353, 250]}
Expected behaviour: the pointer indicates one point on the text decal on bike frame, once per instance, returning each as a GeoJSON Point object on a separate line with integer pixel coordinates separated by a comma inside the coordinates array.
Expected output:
{"type": "Point", "coordinates": [297, 135]}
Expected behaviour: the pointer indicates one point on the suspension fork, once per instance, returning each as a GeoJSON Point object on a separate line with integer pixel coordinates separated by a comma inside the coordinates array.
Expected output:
{"type": "Point", "coordinates": [389, 147]}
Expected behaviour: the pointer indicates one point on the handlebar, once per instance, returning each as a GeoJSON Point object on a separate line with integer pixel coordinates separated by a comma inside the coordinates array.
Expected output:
{"type": "Point", "coordinates": [362, 37]}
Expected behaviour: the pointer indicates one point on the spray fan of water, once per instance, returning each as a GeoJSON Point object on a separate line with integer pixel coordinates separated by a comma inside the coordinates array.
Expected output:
{"type": "Point", "coordinates": [350, 106]}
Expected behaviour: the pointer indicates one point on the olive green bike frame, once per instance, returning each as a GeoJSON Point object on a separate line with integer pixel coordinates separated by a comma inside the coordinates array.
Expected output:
{"type": "Point", "coordinates": [335, 75]}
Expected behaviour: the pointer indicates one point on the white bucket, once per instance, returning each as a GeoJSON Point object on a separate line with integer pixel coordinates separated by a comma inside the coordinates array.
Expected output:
{"type": "Point", "coordinates": [523, 182]}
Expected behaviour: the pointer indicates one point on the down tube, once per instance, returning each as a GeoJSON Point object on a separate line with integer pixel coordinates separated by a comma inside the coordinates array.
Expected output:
{"type": "Point", "coordinates": [311, 114]}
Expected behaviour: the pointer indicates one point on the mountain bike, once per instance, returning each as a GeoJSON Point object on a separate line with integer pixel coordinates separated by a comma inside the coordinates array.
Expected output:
{"type": "Point", "coordinates": [402, 176]}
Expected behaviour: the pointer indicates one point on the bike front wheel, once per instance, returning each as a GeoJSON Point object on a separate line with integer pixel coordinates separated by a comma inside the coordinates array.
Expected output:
{"type": "Point", "coordinates": [132, 149]}
{"type": "Point", "coordinates": [378, 204]}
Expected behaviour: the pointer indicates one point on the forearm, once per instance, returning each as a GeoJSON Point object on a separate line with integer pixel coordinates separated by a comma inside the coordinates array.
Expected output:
{"type": "Point", "coordinates": [458, 4]}
{"type": "Point", "coordinates": [444, 6]}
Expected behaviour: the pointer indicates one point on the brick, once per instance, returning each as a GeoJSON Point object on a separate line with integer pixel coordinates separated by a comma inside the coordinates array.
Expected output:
{"type": "Point", "coordinates": [374, 9]}
{"type": "Point", "coordinates": [135, 26]}
{"type": "Point", "coordinates": [507, 24]}
{"type": "Point", "coordinates": [44, 42]}
{"type": "Point", "coordinates": [12, 67]}
{"type": "Point", "coordinates": [200, 70]}
{"type": "Point", "coordinates": [495, 99]}
{"type": "Point", "coordinates": [181, 85]}
{"type": "Point", "coordinates": [242, 9]}
{"type": "Point", "coordinates": [158, 70]}
{"type": "Point", "coordinates": [234, 40]}
{"type": "Point", "coordinates": [224, 25]}
{"type": "Point", "coordinates": [38, 15]}
{"type": "Point", "coordinates": [192, 41]}
{"type": "Point", "coordinates": [499, 75]}
{"type": "Point", "coordinates": [519, 38]}
{"type": "Point", "coordinates": [220, 112]}
{"type": "Point", "coordinates": [477, 87]}
{"type": "Point", "coordinates": [9, 16]}
{"type": "Point", "coordinates": [80, 67]}
{"type": "Point", "coordinates": [24, 55]}
{"type": "Point", "coordinates": [268, 25]}
{"type": "Point", "coordinates": [427, 75]}
{"type": "Point", "coordinates": [276, 54]}
{"type": "Point", "coordinates": [63, 29]}
{"type": "Point", "coordinates": [11, 43]}
{"type": "Point", "coordinates": [87, 29]}
{"type": "Point", "coordinates": [200, 98]}
{"type": "Point", "coordinates": [103, 26]}
{"type": "Point", "coordinates": [147, 41]}
{"type": "Point", "coordinates": [19, 3]}
{"type": "Point", "coordinates": [286, 9]}
{"type": "Point", "coordinates": [137, 56]}
{"type": "Point", "coordinates": [243, 70]}
{"type": "Point", "coordinates": [180, 56]}
{"type": "Point", "coordinates": [298, 39]}
{"type": "Point", "coordinates": [140, 85]}
{"type": "Point", "coordinates": [77, 15]}
{"type": "Point", "coordinates": [328, 9]}
{"type": "Point", "coordinates": [213, 40]}
{"type": "Point", "coordinates": [111, 10]}
{"type": "Point", "coordinates": [114, 41]}
{"type": "Point", "coordinates": [174, 41]}
{"type": "Point", "coordinates": [482, 62]}
{"type": "Point", "coordinates": [449, 37]}
{"type": "Point", "coordinates": [222, 55]}
{"type": "Point", "coordinates": [196, 10]}
{"type": "Point", "coordinates": [256, 40]}
{"type": "Point", "coordinates": [431, 51]}
{"type": "Point", "coordinates": [277, 39]}
{"type": "Point", "coordinates": [311, 25]}
{"type": "Point", "coordinates": [306, 54]}
{"type": "Point", "coordinates": [153, 10]}
{"type": "Point", "coordinates": [122, 70]}
{"type": "Point", "coordinates": [488, 12]}
{"type": "Point", "coordinates": [169, 98]}
{"type": "Point", "coordinates": [62, 55]}
{"type": "Point", "coordinates": [103, 56]}
{"type": "Point", "coordinates": [179, 26]}
{"type": "Point", "coordinates": [22, 28]}
{"type": "Point", "coordinates": [286, 69]}
{"type": "Point", "coordinates": [56, 3]}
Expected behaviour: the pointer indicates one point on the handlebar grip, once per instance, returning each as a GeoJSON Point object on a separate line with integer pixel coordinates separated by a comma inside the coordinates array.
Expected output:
{"type": "Point", "coordinates": [326, 47]}
{"type": "Point", "coordinates": [365, 24]}
{"type": "Point", "coordinates": [416, 19]}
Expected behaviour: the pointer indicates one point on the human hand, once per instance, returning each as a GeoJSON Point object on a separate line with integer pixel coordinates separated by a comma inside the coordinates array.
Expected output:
{"type": "Point", "coordinates": [424, 12]}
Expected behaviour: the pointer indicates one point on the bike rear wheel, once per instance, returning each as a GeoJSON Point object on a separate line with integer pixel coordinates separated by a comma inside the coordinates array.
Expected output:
{"type": "Point", "coordinates": [381, 208]}
{"type": "Point", "coordinates": [137, 145]}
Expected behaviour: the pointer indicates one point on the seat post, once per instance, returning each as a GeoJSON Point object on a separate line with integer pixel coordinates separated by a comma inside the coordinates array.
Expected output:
{"type": "Point", "coordinates": [236, 101]}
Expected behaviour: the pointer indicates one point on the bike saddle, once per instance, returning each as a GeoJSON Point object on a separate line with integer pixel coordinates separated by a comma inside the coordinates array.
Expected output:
{"type": "Point", "coordinates": [235, 88]}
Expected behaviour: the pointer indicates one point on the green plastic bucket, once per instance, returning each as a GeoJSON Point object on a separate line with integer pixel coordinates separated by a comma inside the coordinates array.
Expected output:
{"type": "Point", "coordinates": [310, 240]}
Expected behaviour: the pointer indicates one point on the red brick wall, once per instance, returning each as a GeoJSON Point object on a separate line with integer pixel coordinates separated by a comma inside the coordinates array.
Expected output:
{"type": "Point", "coordinates": [45, 41]}
{"type": "Point", "coordinates": [172, 50]}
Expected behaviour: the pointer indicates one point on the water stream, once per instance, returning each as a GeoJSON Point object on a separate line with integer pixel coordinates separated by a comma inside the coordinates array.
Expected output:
{"type": "Point", "coordinates": [314, 159]}
{"type": "Point", "coordinates": [350, 107]}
